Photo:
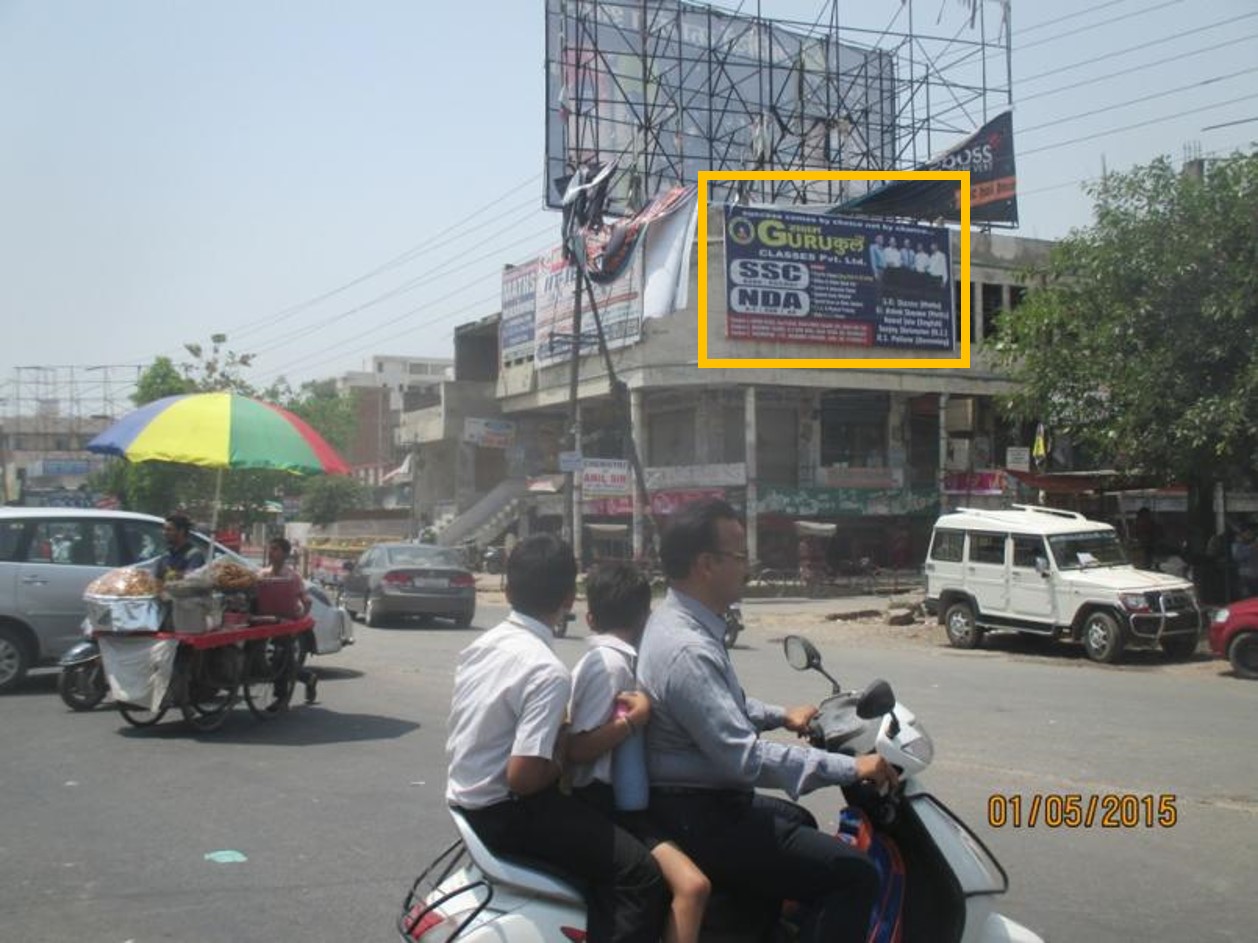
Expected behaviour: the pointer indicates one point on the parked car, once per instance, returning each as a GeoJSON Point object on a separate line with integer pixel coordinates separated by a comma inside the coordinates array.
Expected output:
{"type": "Point", "coordinates": [1234, 636]}
{"type": "Point", "coordinates": [394, 580]}
{"type": "Point", "coordinates": [1055, 574]}
{"type": "Point", "coordinates": [49, 555]}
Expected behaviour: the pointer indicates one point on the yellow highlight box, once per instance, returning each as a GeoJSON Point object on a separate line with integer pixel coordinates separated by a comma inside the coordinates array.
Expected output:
{"type": "Point", "coordinates": [962, 177]}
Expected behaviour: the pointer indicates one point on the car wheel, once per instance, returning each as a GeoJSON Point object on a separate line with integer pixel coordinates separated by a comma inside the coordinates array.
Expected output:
{"type": "Point", "coordinates": [464, 619]}
{"type": "Point", "coordinates": [1180, 647]}
{"type": "Point", "coordinates": [14, 658]}
{"type": "Point", "coordinates": [962, 629]}
{"type": "Point", "coordinates": [1103, 638]}
{"type": "Point", "coordinates": [1243, 654]}
{"type": "Point", "coordinates": [373, 616]}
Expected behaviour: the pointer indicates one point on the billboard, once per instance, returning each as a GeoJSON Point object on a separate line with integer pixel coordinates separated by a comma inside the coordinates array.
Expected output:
{"type": "Point", "coordinates": [817, 279]}
{"type": "Point", "coordinates": [667, 89]}
{"type": "Point", "coordinates": [519, 308]}
{"type": "Point", "coordinates": [987, 154]}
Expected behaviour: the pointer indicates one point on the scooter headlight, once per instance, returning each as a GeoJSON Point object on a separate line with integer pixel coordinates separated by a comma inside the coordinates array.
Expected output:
{"type": "Point", "coordinates": [1221, 615]}
{"type": "Point", "coordinates": [921, 749]}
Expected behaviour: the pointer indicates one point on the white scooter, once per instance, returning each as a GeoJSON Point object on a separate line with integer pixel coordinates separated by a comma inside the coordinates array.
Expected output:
{"type": "Point", "coordinates": [949, 880]}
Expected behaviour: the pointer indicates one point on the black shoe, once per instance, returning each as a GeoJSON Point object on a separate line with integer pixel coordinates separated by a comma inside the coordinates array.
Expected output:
{"type": "Point", "coordinates": [312, 687]}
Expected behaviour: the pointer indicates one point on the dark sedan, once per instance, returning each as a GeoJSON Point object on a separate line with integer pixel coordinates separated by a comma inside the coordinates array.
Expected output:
{"type": "Point", "coordinates": [392, 581]}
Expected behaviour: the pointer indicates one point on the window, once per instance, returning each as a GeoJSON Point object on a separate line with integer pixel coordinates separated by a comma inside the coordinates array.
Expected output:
{"type": "Point", "coordinates": [947, 546]}
{"type": "Point", "coordinates": [987, 548]}
{"type": "Point", "coordinates": [74, 543]}
{"type": "Point", "coordinates": [10, 540]}
{"type": "Point", "coordinates": [143, 540]}
{"type": "Point", "coordinates": [1026, 549]}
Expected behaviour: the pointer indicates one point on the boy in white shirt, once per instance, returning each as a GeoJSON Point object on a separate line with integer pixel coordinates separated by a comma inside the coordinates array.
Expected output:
{"type": "Point", "coordinates": [619, 600]}
{"type": "Point", "coordinates": [505, 736]}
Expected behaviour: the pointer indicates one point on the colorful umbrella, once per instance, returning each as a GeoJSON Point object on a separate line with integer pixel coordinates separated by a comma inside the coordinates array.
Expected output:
{"type": "Point", "coordinates": [219, 430]}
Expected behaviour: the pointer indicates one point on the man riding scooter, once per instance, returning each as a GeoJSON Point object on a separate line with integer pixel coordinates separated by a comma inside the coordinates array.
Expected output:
{"type": "Point", "coordinates": [705, 756]}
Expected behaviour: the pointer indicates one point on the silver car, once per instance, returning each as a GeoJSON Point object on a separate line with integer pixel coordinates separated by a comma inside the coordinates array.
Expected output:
{"type": "Point", "coordinates": [407, 579]}
{"type": "Point", "coordinates": [49, 555]}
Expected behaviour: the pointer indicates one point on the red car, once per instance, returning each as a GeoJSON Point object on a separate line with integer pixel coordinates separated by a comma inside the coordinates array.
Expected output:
{"type": "Point", "coordinates": [1234, 636]}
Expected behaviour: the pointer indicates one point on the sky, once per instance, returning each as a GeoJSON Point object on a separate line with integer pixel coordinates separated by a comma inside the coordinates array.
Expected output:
{"type": "Point", "coordinates": [322, 181]}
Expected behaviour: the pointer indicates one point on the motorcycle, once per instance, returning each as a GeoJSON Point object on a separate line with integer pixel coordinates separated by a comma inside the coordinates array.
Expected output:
{"type": "Point", "coordinates": [493, 560]}
{"type": "Point", "coordinates": [940, 881]}
{"type": "Point", "coordinates": [82, 683]}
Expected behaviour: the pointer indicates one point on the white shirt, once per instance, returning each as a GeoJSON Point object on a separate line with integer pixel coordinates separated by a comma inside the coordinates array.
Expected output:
{"type": "Point", "coordinates": [891, 255]}
{"type": "Point", "coordinates": [939, 265]}
{"type": "Point", "coordinates": [510, 695]}
{"type": "Point", "coordinates": [603, 672]}
{"type": "Point", "coordinates": [921, 261]}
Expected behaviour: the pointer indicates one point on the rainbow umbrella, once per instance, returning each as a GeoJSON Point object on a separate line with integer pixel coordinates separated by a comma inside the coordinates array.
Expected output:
{"type": "Point", "coordinates": [219, 430]}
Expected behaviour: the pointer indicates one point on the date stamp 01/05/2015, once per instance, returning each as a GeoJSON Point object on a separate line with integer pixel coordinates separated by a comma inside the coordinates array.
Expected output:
{"type": "Point", "coordinates": [1075, 810]}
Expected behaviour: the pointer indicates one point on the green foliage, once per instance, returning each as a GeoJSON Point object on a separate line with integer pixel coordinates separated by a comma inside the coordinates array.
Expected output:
{"type": "Point", "coordinates": [331, 413]}
{"type": "Point", "coordinates": [1140, 340]}
{"type": "Point", "coordinates": [326, 498]}
{"type": "Point", "coordinates": [215, 369]}
{"type": "Point", "coordinates": [158, 380]}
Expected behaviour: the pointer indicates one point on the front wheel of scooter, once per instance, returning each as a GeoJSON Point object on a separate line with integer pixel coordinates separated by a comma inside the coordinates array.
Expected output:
{"type": "Point", "coordinates": [82, 686]}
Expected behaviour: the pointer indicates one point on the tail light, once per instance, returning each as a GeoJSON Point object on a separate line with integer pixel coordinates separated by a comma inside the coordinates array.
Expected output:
{"type": "Point", "coordinates": [462, 580]}
{"type": "Point", "coordinates": [574, 934]}
{"type": "Point", "coordinates": [424, 923]}
{"type": "Point", "coordinates": [394, 578]}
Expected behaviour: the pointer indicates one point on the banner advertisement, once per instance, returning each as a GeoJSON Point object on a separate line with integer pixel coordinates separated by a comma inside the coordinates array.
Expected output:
{"type": "Point", "coordinates": [811, 279]}
{"type": "Point", "coordinates": [519, 310]}
{"type": "Point", "coordinates": [489, 433]}
{"type": "Point", "coordinates": [666, 477]}
{"type": "Point", "coordinates": [991, 482]}
{"type": "Point", "coordinates": [987, 154]}
{"type": "Point", "coordinates": [605, 476]}
{"type": "Point", "coordinates": [663, 503]}
{"type": "Point", "coordinates": [845, 502]}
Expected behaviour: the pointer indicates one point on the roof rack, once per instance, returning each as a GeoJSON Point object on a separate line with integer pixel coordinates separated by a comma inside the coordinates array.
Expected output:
{"type": "Point", "coordinates": [1029, 508]}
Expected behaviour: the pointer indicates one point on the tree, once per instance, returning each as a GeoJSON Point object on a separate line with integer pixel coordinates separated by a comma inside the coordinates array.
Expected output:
{"type": "Point", "coordinates": [326, 498]}
{"type": "Point", "coordinates": [331, 413]}
{"type": "Point", "coordinates": [1139, 339]}
{"type": "Point", "coordinates": [160, 379]}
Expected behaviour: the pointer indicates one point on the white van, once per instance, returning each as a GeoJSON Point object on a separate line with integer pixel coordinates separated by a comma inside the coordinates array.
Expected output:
{"type": "Point", "coordinates": [1057, 574]}
{"type": "Point", "coordinates": [49, 555]}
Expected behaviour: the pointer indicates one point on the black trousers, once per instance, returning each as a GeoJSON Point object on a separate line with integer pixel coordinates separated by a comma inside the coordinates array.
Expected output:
{"type": "Point", "coordinates": [770, 848]}
{"type": "Point", "coordinates": [625, 892]}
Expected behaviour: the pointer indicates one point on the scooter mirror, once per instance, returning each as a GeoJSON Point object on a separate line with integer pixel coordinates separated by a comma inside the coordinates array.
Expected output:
{"type": "Point", "coordinates": [877, 700]}
{"type": "Point", "coordinates": [801, 654]}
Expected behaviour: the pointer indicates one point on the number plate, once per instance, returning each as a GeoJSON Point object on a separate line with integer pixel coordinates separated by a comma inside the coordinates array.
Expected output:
{"type": "Point", "coordinates": [429, 582]}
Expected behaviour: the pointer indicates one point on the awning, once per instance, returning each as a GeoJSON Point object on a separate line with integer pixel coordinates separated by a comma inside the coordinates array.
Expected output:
{"type": "Point", "coordinates": [608, 530]}
{"type": "Point", "coordinates": [814, 529]}
{"type": "Point", "coordinates": [1068, 482]}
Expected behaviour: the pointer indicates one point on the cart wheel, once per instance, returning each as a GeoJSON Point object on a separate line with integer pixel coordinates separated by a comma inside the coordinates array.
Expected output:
{"type": "Point", "coordinates": [207, 707]}
{"type": "Point", "coordinates": [271, 667]}
{"type": "Point", "coordinates": [139, 717]}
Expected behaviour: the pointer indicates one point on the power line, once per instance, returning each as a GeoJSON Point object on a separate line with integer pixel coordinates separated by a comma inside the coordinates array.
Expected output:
{"type": "Point", "coordinates": [1229, 124]}
{"type": "Point", "coordinates": [1136, 101]}
{"type": "Point", "coordinates": [1146, 45]}
{"type": "Point", "coordinates": [1071, 16]}
{"type": "Point", "coordinates": [1138, 124]}
{"type": "Point", "coordinates": [1091, 26]}
{"type": "Point", "coordinates": [438, 273]}
{"type": "Point", "coordinates": [254, 325]}
{"type": "Point", "coordinates": [1137, 68]}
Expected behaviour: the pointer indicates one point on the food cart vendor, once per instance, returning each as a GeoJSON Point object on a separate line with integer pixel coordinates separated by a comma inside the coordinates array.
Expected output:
{"type": "Point", "coordinates": [182, 554]}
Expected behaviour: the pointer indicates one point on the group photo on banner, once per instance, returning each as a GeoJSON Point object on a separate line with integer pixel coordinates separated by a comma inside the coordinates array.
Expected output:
{"type": "Point", "coordinates": [815, 279]}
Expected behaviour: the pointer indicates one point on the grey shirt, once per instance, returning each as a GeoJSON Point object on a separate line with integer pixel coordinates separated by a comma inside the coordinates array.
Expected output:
{"type": "Point", "coordinates": [704, 731]}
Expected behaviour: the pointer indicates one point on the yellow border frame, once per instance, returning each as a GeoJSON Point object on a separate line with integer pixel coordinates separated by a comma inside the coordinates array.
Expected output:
{"type": "Point", "coordinates": [800, 363]}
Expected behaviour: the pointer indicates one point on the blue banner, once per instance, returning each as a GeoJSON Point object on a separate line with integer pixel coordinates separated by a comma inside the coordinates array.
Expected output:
{"type": "Point", "coordinates": [806, 278]}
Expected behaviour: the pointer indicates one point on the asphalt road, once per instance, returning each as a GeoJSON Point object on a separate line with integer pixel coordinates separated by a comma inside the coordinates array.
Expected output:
{"type": "Point", "coordinates": [105, 830]}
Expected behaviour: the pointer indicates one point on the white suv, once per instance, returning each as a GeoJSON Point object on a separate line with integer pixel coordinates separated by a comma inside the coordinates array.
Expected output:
{"type": "Point", "coordinates": [1053, 573]}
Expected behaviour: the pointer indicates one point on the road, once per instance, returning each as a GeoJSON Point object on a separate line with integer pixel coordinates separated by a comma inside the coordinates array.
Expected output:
{"type": "Point", "coordinates": [105, 830]}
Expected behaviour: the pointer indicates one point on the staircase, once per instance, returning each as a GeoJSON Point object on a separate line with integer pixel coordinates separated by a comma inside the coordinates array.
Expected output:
{"type": "Point", "coordinates": [488, 517]}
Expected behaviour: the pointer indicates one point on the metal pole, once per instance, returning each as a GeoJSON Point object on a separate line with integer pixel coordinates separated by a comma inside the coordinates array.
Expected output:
{"type": "Point", "coordinates": [574, 419]}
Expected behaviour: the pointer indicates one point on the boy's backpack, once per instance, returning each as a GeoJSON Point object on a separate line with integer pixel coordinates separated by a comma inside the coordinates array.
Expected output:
{"type": "Point", "coordinates": [885, 922]}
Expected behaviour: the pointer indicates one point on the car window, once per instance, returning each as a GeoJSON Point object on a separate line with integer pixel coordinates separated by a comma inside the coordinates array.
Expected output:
{"type": "Point", "coordinates": [422, 555]}
{"type": "Point", "coordinates": [987, 548]}
{"type": "Point", "coordinates": [74, 543]}
{"type": "Point", "coordinates": [947, 546]}
{"type": "Point", "coordinates": [1026, 547]}
{"type": "Point", "coordinates": [10, 540]}
{"type": "Point", "coordinates": [143, 540]}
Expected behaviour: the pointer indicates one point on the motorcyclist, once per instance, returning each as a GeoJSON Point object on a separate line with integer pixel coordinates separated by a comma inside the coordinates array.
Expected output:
{"type": "Point", "coordinates": [705, 756]}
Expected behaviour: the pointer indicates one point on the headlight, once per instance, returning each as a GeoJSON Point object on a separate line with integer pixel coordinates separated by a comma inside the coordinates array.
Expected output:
{"type": "Point", "coordinates": [1221, 615]}
{"type": "Point", "coordinates": [921, 749]}
{"type": "Point", "coordinates": [1136, 602]}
